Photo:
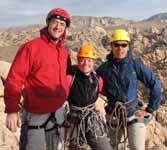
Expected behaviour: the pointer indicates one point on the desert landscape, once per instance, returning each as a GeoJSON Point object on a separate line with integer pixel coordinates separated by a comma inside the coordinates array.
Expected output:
{"type": "Point", "coordinates": [149, 43]}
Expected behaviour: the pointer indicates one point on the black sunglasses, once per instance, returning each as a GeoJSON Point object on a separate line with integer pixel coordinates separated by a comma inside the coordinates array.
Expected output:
{"type": "Point", "coordinates": [116, 45]}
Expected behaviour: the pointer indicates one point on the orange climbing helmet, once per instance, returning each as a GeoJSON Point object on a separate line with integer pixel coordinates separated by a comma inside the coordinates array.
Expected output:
{"type": "Point", "coordinates": [88, 51]}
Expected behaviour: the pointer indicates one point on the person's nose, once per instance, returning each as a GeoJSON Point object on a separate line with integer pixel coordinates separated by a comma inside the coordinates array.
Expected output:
{"type": "Point", "coordinates": [58, 25]}
{"type": "Point", "coordinates": [86, 62]}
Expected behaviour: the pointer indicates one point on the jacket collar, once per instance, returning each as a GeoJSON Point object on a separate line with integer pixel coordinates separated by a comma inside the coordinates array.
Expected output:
{"type": "Point", "coordinates": [125, 60]}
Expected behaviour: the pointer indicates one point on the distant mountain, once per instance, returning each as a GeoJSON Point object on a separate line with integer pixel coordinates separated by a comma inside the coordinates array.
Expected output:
{"type": "Point", "coordinates": [162, 17]}
{"type": "Point", "coordinates": [89, 21]}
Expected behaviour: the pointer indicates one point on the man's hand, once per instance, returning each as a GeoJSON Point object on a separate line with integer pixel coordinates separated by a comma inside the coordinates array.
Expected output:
{"type": "Point", "coordinates": [12, 121]}
{"type": "Point", "coordinates": [142, 113]}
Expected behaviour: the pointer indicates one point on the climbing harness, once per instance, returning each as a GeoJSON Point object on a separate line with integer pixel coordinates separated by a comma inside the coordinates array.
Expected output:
{"type": "Point", "coordinates": [25, 127]}
{"type": "Point", "coordinates": [85, 119]}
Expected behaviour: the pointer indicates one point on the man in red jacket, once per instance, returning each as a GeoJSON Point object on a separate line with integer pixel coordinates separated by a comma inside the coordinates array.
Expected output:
{"type": "Point", "coordinates": [40, 67]}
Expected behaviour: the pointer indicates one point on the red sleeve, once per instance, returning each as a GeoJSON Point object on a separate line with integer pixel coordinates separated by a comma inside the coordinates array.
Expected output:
{"type": "Point", "coordinates": [15, 79]}
{"type": "Point", "coordinates": [69, 80]}
{"type": "Point", "coordinates": [100, 85]}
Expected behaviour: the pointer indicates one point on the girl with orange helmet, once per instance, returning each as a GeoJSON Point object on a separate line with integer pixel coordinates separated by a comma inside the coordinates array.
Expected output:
{"type": "Point", "coordinates": [87, 125]}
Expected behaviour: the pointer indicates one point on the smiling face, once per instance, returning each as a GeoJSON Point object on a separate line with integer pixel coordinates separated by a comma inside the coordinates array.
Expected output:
{"type": "Point", "coordinates": [56, 28]}
{"type": "Point", "coordinates": [86, 64]}
{"type": "Point", "coordinates": [120, 49]}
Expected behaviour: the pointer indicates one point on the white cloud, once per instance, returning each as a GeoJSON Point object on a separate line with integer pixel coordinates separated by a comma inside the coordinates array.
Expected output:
{"type": "Point", "coordinates": [5, 3]}
{"type": "Point", "coordinates": [28, 13]}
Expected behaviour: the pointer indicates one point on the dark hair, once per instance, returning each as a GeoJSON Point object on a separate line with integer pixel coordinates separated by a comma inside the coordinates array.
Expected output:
{"type": "Point", "coordinates": [67, 21]}
{"type": "Point", "coordinates": [109, 56]}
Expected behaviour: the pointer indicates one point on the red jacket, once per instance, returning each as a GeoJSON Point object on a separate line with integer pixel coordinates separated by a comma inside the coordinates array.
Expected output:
{"type": "Point", "coordinates": [40, 66]}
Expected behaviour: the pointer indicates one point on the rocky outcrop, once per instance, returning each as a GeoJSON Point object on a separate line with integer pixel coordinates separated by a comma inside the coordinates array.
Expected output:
{"type": "Point", "coordinates": [157, 131]}
{"type": "Point", "coordinates": [8, 140]}
{"type": "Point", "coordinates": [4, 69]}
{"type": "Point", "coordinates": [12, 37]}
{"type": "Point", "coordinates": [88, 21]}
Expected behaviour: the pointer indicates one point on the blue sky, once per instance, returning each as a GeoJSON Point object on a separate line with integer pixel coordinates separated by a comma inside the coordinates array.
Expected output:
{"type": "Point", "coordinates": [25, 12]}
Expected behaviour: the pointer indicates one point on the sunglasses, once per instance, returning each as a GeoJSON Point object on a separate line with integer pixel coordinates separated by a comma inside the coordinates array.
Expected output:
{"type": "Point", "coordinates": [116, 45]}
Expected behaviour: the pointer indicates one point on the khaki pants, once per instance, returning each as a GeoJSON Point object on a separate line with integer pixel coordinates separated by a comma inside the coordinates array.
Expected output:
{"type": "Point", "coordinates": [136, 133]}
{"type": "Point", "coordinates": [137, 136]}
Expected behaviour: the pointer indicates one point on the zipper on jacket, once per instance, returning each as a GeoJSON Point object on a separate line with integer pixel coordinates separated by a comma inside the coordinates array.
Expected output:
{"type": "Point", "coordinates": [58, 55]}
